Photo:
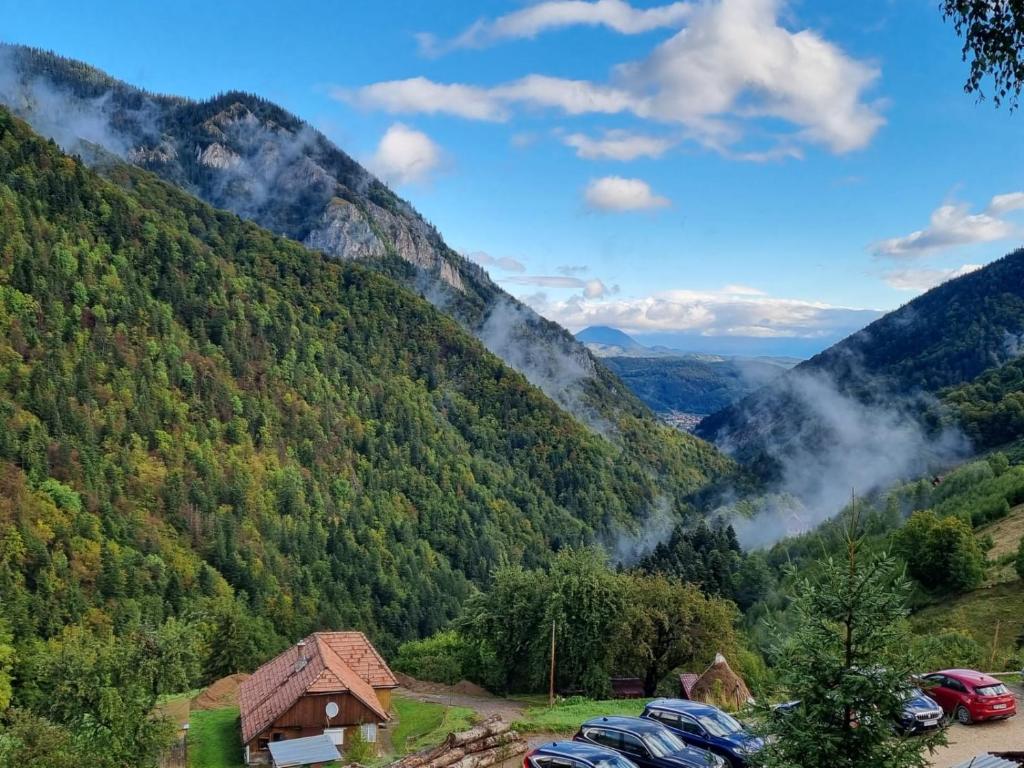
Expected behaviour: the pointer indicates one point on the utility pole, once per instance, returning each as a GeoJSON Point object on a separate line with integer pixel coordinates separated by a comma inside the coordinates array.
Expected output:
{"type": "Point", "coordinates": [551, 678]}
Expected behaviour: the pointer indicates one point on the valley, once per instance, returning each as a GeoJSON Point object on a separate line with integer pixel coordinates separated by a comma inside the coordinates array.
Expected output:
{"type": "Point", "coordinates": [283, 466]}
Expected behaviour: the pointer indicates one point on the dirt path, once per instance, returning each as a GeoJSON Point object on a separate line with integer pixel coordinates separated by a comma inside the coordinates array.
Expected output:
{"type": "Point", "coordinates": [967, 741]}
{"type": "Point", "coordinates": [484, 704]}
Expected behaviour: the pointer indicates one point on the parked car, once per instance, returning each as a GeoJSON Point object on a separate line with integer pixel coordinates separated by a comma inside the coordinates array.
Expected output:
{"type": "Point", "coordinates": [706, 727]}
{"type": "Point", "coordinates": [646, 743]}
{"type": "Point", "coordinates": [920, 713]}
{"type": "Point", "coordinates": [969, 696]}
{"type": "Point", "coordinates": [574, 754]}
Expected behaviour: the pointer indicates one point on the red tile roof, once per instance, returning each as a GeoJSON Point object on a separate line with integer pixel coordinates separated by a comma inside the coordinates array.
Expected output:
{"type": "Point", "coordinates": [336, 662]}
{"type": "Point", "coordinates": [686, 682]}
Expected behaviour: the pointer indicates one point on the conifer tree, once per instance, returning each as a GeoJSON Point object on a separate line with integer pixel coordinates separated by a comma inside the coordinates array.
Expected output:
{"type": "Point", "coordinates": [847, 660]}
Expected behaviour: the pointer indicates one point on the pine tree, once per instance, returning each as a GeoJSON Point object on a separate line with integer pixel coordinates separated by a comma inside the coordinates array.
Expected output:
{"type": "Point", "coordinates": [847, 660]}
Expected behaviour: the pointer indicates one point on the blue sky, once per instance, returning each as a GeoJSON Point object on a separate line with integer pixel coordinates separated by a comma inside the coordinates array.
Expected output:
{"type": "Point", "coordinates": [727, 168]}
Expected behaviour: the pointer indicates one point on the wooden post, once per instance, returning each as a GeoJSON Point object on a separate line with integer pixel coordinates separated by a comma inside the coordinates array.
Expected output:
{"type": "Point", "coordinates": [995, 644]}
{"type": "Point", "coordinates": [551, 678]}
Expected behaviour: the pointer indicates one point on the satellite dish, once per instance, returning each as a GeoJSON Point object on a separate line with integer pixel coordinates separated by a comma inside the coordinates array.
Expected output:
{"type": "Point", "coordinates": [331, 709]}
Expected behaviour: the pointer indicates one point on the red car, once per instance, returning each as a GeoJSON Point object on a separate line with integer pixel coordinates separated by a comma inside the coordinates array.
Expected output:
{"type": "Point", "coordinates": [970, 696]}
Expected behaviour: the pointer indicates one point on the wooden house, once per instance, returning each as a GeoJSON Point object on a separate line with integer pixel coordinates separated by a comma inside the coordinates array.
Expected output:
{"type": "Point", "coordinates": [332, 683]}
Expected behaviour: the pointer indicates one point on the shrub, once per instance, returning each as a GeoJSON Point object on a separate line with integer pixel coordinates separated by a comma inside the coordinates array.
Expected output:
{"type": "Point", "coordinates": [941, 552]}
{"type": "Point", "coordinates": [1019, 563]}
{"type": "Point", "coordinates": [946, 649]}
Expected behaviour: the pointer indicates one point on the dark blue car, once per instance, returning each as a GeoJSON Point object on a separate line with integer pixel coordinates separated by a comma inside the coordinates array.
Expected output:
{"type": "Point", "coordinates": [920, 713]}
{"type": "Point", "coordinates": [574, 754]}
{"type": "Point", "coordinates": [646, 743]}
{"type": "Point", "coordinates": [707, 727]}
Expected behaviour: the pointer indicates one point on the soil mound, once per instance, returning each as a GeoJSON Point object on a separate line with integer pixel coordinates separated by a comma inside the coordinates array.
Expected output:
{"type": "Point", "coordinates": [463, 687]}
{"type": "Point", "coordinates": [220, 694]}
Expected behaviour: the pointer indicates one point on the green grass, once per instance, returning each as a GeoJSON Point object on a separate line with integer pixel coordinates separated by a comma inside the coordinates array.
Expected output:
{"type": "Point", "coordinates": [423, 723]}
{"type": "Point", "coordinates": [979, 613]}
{"type": "Point", "coordinates": [565, 717]}
{"type": "Point", "coordinates": [214, 739]}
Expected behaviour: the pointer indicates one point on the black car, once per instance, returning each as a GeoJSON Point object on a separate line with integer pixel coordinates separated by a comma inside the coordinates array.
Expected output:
{"type": "Point", "coordinates": [646, 743]}
{"type": "Point", "coordinates": [574, 754]}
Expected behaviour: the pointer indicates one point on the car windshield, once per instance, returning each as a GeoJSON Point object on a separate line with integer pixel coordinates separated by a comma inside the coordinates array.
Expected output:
{"type": "Point", "coordinates": [663, 743]}
{"type": "Point", "coordinates": [720, 724]}
{"type": "Point", "coordinates": [991, 690]}
{"type": "Point", "coordinates": [613, 762]}
{"type": "Point", "coordinates": [914, 693]}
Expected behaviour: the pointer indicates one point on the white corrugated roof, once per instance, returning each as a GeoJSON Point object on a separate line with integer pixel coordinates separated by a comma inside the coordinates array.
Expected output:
{"type": "Point", "coordinates": [988, 761]}
{"type": "Point", "coordinates": [312, 749]}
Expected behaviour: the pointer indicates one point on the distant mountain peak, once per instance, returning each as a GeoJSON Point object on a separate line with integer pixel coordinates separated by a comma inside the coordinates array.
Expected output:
{"type": "Point", "coordinates": [607, 335]}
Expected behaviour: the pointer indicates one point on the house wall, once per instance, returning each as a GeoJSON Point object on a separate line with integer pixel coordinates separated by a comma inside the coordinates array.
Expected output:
{"type": "Point", "coordinates": [384, 696]}
{"type": "Point", "coordinates": [307, 717]}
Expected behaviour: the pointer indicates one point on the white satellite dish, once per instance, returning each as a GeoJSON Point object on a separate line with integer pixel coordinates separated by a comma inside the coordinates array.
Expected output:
{"type": "Point", "coordinates": [331, 709]}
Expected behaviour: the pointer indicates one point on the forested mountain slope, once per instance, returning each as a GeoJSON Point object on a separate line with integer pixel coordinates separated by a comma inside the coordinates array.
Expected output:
{"type": "Point", "coordinates": [694, 384]}
{"type": "Point", "coordinates": [245, 154]}
{"type": "Point", "coordinates": [188, 403]}
{"type": "Point", "coordinates": [948, 336]}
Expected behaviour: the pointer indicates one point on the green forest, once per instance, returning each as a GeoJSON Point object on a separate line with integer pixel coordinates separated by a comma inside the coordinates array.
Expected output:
{"type": "Point", "coordinates": [208, 431]}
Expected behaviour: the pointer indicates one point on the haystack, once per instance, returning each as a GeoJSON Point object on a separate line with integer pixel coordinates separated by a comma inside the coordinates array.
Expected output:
{"type": "Point", "coordinates": [720, 686]}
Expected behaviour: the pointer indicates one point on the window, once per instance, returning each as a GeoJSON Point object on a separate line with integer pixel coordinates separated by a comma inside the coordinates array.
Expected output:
{"type": "Point", "coordinates": [668, 718]}
{"type": "Point", "coordinates": [277, 737]}
{"type": "Point", "coordinates": [955, 685]}
{"type": "Point", "coordinates": [369, 732]}
{"type": "Point", "coordinates": [262, 745]}
{"type": "Point", "coordinates": [613, 762]}
{"type": "Point", "coordinates": [720, 724]}
{"type": "Point", "coordinates": [605, 738]}
{"type": "Point", "coordinates": [662, 743]}
{"type": "Point", "coordinates": [336, 735]}
{"type": "Point", "coordinates": [991, 690]}
{"type": "Point", "coordinates": [554, 762]}
{"type": "Point", "coordinates": [631, 745]}
{"type": "Point", "coordinates": [690, 726]}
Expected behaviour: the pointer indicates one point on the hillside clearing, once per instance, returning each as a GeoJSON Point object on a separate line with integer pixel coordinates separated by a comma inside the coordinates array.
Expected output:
{"type": "Point", "coordinates": [980, 612]}
{"type": "Point", "coordinates": [1006, 533]}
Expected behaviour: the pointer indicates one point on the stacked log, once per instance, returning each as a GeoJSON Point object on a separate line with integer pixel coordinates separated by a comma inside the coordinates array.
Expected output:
{"type": "Point", "coordinates": [491, 742]}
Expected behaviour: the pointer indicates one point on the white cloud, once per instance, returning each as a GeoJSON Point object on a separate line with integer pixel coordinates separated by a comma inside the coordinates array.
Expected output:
{"type": "Point", "coordinates": [558, 14]}
{"type": "Point", "coordinates": [506, 263]}
{"type": "Point", "coordinates": [1011, 201]}
{"type": "Point", "coordinates": [572, 269]}
{"type": "Point", "coordinates": [614, 193]}
{"type": "Point", "coordinates": [591, 289]}
{"type": "Point", "coordinates": [734, 58]}
{"type": "Point", "coordinates": [617, 145]}
{"type": "Point", "coordinates": [405, 155]}
{"type": "Point", "coordinates": [918, 280]}
{"type": "Point", "coordinates": [732, 63]}
{"type": "Point", "coordinates": [953, 224]}
{"type": "Point", "coordinates": [423, 96]}
{"type": "Point", "coordinates": [710, 313]}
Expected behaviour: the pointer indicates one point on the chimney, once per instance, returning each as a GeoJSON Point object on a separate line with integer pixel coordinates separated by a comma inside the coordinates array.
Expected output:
{"type": "Point", "coordinates": [300, 660]}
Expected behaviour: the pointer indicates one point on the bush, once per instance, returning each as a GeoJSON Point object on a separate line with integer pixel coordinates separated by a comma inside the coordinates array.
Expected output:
{"type": "Point", "coordinates": [1019, 563]}
{"type": "Point", "coordinates": [439, 659]}
{"type": "Point", "coordinates": [941, 552]}
{"type": "Point", "coordinates": [357, 749]}
{"type": "Point", "coordinates": [448, 657]}
{"type": "Point", "coordinates": [947, 649]}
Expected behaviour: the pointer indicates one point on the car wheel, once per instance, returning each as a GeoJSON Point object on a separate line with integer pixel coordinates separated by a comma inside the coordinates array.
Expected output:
{"type": "Point", "coordinates": [962, 715]}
